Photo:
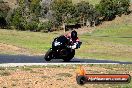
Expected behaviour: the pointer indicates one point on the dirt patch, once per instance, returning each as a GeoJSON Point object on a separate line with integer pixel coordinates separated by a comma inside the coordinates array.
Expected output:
{"type": "Point", "coordinates": [54, 77]}
{"type": "Point", "coordinates": [6, 48]}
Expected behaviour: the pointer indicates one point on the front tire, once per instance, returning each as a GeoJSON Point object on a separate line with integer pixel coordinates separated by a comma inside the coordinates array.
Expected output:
{"type": "Point", "coordinates": [48, 55]}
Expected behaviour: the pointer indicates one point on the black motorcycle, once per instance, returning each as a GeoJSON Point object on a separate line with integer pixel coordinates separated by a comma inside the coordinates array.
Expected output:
{"type": "Point", "coordinates": [61, 49]}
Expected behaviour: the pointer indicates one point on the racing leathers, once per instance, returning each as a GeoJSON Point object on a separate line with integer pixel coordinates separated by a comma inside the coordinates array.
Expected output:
{"type": "Point", "coordinates": [73, 42]}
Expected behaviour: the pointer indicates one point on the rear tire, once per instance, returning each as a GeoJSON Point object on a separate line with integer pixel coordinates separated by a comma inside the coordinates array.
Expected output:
{"type": "Point", "coordinates": [48, 55]}
{"type": "Point", "coordinates": [70, 56]}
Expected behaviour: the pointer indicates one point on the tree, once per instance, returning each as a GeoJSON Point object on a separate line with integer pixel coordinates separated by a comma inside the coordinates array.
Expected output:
{"type": "Point", "coordinates": [34, 6]}
{"type": "Point", "coordinates": [45, 26]}
{"type": "Point", "coordinates": [63, 10]}
{"type": "Point", "coordinates": [45, 8]}
{"type": "Point", "coordinates": [122, 6]}
{"type": "Point", "coordinates": [85, 11]}
{"type": "Point", "coordinates": [105, 7]}
{"type": "Point", "coordinates": [17, 20]}
{"type": "Point", "coordinates": [4, 9]}
{"type": "Point", "coordinates": [110, 8]}
{"type": "Point", "coordinates": [26, 15]}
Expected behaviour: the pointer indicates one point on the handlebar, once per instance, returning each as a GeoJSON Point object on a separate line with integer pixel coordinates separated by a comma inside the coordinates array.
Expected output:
{"type": "Point", "coordinates": [79, 44]}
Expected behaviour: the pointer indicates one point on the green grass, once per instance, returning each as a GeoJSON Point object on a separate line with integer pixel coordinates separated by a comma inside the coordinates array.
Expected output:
{"type": "Point", "coordinates": [35, 42]}
{"type": "Point", "coordinates": [112, 43]}
{"type": "Point", "coordinates": [121, 34]}
{"type": "Point", "coordinates": [115, 31]}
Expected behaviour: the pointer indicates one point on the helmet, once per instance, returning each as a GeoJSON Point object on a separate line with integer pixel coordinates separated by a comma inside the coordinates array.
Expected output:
{"type": "Point", "coordinates": [74, 34]}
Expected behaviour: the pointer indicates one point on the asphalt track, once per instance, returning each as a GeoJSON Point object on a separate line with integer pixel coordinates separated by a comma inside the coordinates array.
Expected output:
{"type": "Point", "coordinates": [20, 60]}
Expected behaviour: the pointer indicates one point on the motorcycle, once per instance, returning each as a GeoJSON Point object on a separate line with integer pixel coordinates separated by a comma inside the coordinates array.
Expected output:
{"type": "Point", "coordinates": [61, 49]}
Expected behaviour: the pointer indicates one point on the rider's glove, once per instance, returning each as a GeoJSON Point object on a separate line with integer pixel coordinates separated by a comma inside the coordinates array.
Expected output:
{"type": "Point", "coordinates": [74, 46]}
{"type": "Point", "coordinates": [69, 46]}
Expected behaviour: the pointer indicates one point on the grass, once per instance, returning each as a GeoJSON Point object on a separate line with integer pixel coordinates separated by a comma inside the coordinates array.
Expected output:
{"type": "Point", "coordinates": [2, 68]}
{"type": "Point", "coordinates": [25, 68]}
{"type": "Point", "coordinates": [45, 77]}
{"type": "Point", "coordinates": [36, 42]}
{"type": "Point", "coordinates": [4, 73]}
{"type": "Point", "coordinates": [64, 74]}
{"type": "Point", "coordinates": [112, 41]}
{"type": "Point", "coordinates": [111, 44]}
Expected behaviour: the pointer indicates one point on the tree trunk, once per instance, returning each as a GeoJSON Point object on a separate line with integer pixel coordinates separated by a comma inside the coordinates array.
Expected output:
{"type": "Point", "coordinates": [64, 27]}
{"type": "Point", "coordinates": [83, 21]}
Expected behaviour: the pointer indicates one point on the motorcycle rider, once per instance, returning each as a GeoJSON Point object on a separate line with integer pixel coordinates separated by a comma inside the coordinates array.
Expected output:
{"type": "Point", "coordinates": [64, 47]}
{"type": "Point", "coordinates": [73, 38]}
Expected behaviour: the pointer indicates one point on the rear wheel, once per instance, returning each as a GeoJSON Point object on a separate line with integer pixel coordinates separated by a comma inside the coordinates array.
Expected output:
{"type": "Point", "coordinates": [70, 56]}
{"type": "Point", "coordinates": [48, 55]}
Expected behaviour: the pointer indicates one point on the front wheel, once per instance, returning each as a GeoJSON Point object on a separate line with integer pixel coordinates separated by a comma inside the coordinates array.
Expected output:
{"type": "Point", "coordinates": [48, 55]}
{"type": "Point", "coordinates": [70, 56]}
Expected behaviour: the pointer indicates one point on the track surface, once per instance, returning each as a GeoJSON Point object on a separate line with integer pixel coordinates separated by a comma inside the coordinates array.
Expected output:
{"type": "Point", "coordinates": [20, 60]}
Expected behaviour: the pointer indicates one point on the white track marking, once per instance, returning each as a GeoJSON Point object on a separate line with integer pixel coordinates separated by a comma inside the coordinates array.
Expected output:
{"type": "Point", "coordinates": [45, 64]}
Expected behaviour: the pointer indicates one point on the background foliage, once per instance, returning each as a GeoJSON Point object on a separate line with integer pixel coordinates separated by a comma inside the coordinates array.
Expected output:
{"type": "Point", "coordinates": [29, 13]}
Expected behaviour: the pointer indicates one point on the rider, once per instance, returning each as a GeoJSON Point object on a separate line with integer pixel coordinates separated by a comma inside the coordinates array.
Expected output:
{"type": "Point", "coordinates": [73, 38]}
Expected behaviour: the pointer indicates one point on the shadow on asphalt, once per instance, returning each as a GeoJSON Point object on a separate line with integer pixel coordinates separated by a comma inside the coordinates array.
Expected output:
{"type": "Point", "coordinates": [39, 59]}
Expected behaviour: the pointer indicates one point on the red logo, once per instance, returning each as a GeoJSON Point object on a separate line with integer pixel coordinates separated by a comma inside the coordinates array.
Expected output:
{"type": "Point", "coordinates": [82, 77]}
